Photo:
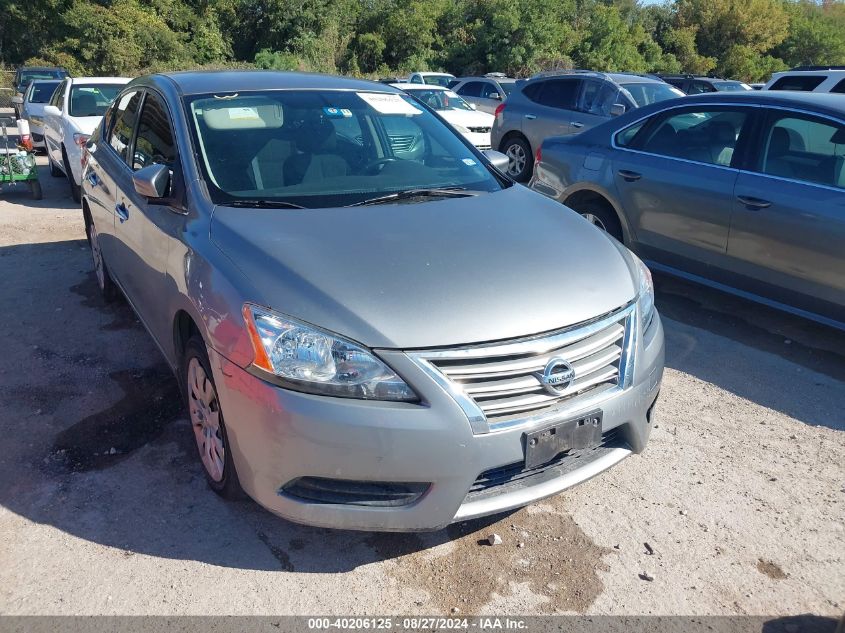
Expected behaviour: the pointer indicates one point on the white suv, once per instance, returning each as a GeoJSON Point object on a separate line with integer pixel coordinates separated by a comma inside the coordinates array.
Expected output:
{"type": "Point", "coordinates": [809, 79]}
{"type": "Point", "coordinates": [74, 111]}
{"type": "Point", "coordinates": [432, 79]}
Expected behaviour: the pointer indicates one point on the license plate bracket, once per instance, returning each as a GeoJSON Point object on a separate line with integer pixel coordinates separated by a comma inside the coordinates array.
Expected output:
{"type": "Point", "coordinates": [544, 445]}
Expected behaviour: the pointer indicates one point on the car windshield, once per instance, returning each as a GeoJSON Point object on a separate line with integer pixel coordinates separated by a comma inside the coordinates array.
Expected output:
{"type": "Point", "coordinates": [437, 80]}
{"type": "Point", "coordinates": [644, 93]}
{"type": "Point", "coordinates": [327, 148]}
{"type": "Point", "coordinates": [441, 99]}
{"type": "Point", "coordinates": [731, 86]}
{"type": "Point", "coordinates": [92, 99]}
{"type": "Point", "coordinates": [42, 91]}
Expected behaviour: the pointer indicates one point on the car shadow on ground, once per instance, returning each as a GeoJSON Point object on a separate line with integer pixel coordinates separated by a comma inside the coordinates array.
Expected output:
{"type": "Point", "coordinates": [792, 365]}
{"type": "Point", "coordinates": [96, 443]}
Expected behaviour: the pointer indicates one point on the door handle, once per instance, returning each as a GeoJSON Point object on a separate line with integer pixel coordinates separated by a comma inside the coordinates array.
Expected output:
{"type": "Point", "coordinates": [122, 212]}
{"type": "Point", "coordinates": [577, 124]}
{"type": "Point", "coordinates": [754, 204]}
{"type": "Point", "coordinates": [629, 176]}
{"type": "Point", "coordinates": [93, 179]}
{"type": "Point", "coordinates": [530, 117]}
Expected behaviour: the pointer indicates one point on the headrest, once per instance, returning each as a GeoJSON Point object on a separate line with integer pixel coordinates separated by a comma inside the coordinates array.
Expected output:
{"type": "Point", "coordinates": [84, 105]}
{"type": "Point", "coordinates": [315, 133]}
{"type": "Point", "coordinates": [779, 142]}
{"type": "Point", "coordinates": [723, 133]}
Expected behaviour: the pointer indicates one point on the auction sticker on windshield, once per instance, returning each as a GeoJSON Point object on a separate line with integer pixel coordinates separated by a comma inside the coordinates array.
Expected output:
{"type": "Point", "coordinates": [388, 103]}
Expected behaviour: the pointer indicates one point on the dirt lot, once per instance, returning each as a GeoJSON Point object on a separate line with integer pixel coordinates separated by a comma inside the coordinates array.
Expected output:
{"type": "Point", "coordinates": [737, 506]}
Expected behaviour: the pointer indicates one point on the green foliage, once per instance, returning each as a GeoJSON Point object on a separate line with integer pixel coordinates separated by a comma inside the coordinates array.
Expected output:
{"type": "Point", "coordinates": [746, 39]}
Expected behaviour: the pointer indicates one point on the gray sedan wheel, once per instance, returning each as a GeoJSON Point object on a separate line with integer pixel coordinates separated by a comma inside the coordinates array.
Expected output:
{"type": "Point", "coordinates": [520, 160]}
{"type": "Point", "coordinates": [207, 422]}
{"type": "Point", "coordinates": [601, 217]}
{"type": "Point", "coordinates": [104, 280]}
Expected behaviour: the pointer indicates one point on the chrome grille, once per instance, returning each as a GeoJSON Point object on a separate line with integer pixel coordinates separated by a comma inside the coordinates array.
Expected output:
{"type": "Point", "coordinates": [499, 385]}
{"type": "Point", "coordinates": [401, 142]}
{"type": "Point", "coordinates": [479, 130]}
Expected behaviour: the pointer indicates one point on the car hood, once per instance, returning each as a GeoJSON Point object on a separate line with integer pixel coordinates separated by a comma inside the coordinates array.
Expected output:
{"type": "Point", "coordinates": [467, 118]}
{"type": "Point", "coordinates": [434, 274]}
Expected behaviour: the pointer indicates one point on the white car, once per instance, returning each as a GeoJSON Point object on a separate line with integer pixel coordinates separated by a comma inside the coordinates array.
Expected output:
{"type": "Point", "coordinates": [31, 106]}
{"type": "Point", "coordinates": [74, 111]}
{"type": "Point", "coordinates": [432, 79]}
{"type": "Point", "coordinates": [809, 79]}
{"type": "Point", "coordinates": [475, 126]}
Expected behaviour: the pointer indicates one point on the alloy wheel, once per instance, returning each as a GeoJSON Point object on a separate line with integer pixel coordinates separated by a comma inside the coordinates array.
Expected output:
{"type": "Point", "coordinates": [205, 420]}
{"type": "Point", "coordinates": [516, 159]}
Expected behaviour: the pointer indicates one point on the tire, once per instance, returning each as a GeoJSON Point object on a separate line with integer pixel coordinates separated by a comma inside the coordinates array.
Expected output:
{"type": "Point", "coordinates": [107, 287]}
{"type": "Point", "coordinates": [35, 189]}
{"type": "Point", "coordinates": [55, 172]}
{"type": "Point", "coordinates": [602, 217]}
{"type": "Point", "coordinates": [207, 422]}
{"type": "Point", "coordinates": [520, 158]}
{"type": "Point", "coordinates": [75, 190]}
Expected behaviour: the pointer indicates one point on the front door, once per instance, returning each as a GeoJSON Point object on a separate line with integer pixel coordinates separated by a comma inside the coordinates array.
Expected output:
{"type": "Point", "coordinates": [147, 223]}
{"type": "Point", "coordinates": [788, 226]}
{"type": "Point", "coordinates": [676, 183]}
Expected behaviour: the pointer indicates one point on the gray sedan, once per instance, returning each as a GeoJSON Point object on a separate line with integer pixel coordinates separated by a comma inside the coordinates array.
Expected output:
{"type": "Point", "coordinates": [359, 306]}
{"type": "Point", "coordinates": [742, 191]}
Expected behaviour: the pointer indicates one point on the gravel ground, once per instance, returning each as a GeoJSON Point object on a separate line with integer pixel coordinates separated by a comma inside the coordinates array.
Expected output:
{"type": "Point", "coordinates": [736, 507]}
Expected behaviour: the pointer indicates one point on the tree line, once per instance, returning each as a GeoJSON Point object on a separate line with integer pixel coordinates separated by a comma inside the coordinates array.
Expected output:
{"type": "Point", "coordinates": [744, 39]}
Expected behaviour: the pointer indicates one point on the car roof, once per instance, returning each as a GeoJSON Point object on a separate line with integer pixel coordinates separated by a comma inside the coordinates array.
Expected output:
{"type": "Point", "coordinates": [203, 82]}
{"type": "Point", "coordinates": [501, 80]}
{"type": "Point", "coordinates": [99, 80]}
{"type": "Point", "coordinates": [816, 72]}
{"type": "Point", "coordinates": [820, 101]}
{"type": "Point", "coordinates": [633, 78]}
{"type": "Point", "coordinates": [23, 68]}
{"type": "Point", "coordinates": [404, 86]}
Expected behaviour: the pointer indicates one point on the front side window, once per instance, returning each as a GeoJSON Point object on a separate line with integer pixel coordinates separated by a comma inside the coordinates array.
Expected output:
{"type": "Point", "coordinates": [506, 87]}
{"type": "Point", "coordinates": [471, 89]}
{"type": "Point", "coordinates": [327, 148]}
{"type": "Point", "coordinates": [41, 91]}
{"type": "Point", "coordinates": [154, 142]}
{"type": "Point", "coordinates": [122, 124]}
{"type": "Point", "coordinates": [489, 90]}
{"type": "Point", "coordinates": [59, 95]}
{"type": "Point", "coordinates": [702, 135]}
{"type": "Point", "coordinates": [92, 99]}
{"type": "Point", "coordinates": [806, 148]}
{"type": "Point", "coordinates": [560, 93]}
{"type": "Point", "coordinates": [805, 83]}
{"type": "Point", "coordinates": [732, 86]}
{"type": "Point", "coordinates": [700, 87]}
{"type": "Point", "coordinates": [644, 94]}
{"type": "Point", "coordinates": [598, 97]}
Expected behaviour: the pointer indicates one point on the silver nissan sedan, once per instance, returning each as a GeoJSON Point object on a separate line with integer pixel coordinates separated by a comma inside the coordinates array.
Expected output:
{"type": "Point", "coordinates": [372, 326]}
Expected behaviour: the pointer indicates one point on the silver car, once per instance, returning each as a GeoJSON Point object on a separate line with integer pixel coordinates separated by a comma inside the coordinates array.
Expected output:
{"type": "Point", "coordinates": [36, 96]}
{"type": "Point", "coordinates": [373, 328]}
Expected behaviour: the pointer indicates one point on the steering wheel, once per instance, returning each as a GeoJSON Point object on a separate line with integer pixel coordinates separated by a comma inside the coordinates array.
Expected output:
{"type": "Point", "coordinates": [378, 164]}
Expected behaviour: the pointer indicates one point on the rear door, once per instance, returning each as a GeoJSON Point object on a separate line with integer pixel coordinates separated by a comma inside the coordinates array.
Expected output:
{"type": "Point", "coordinates": [552, 115]}
{"type": "Point", "coordinates": [676, 181]}
{"type": "Point", "coordinates": [788, 230]}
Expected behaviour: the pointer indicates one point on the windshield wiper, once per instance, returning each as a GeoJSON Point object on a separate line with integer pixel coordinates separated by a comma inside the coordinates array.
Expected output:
{"type": "Point", "coordinates": [446, 192]}
{"type": "Point", "coordinates": [263, 204]}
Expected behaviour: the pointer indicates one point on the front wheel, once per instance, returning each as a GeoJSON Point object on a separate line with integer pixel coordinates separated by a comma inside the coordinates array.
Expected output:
{"type": "Point", "coordinates": [520, 160]}
{"type": "Point", "coordinates": [207, 421]}
{"type": "Point", "coordinates": [75, 190]}
{"type": "Point", "coordinates": [55, 172]}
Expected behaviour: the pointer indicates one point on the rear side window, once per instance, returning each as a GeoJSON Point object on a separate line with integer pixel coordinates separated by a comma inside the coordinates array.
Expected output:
{"type": "Point", "coordinates": [839, 88]}
{"type": "Point", "coordinates": [702, 135]}
{"type": "Point", "coordinates": [124, 116]}
{"type": "Point", "coordinates": [798, 82]}
{"type": "Point", "coordinates": [154, 143]}
{"type": "Point", "coordinates": [471, 89]}
{"type": "Point", "coordinates": [532, 91]}
{"type": "Point", "coordinates": [803, 147]}
{"type": "Point", "coordinates": [700, 87]}
{"type": "Point", "coordinates": [560, 93]}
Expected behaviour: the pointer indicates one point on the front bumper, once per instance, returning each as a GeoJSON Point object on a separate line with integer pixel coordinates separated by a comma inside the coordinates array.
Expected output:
{"type": "Point", "coordinates": [278, 435]}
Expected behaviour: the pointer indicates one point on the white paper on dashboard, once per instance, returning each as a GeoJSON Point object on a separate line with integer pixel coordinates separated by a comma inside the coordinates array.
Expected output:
{"type": "Point", "coordinates": [388, 103]}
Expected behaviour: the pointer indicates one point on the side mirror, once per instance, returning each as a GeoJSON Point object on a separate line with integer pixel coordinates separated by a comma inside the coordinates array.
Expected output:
{"type": "Point", "coordinates": [495, 95]}
{"type": "Point", "coordinates": [17, 100]}
{"type": "Point", "coordinates": [617, 109]}
{"type": "Point", "coordinates": [152, 181]}
{"type": "Point", "coordinates": [473, 106]}
{"type": "Point", "coordinates": [497, 159]}
{"type": "Point", "coordinates": [52, 110]}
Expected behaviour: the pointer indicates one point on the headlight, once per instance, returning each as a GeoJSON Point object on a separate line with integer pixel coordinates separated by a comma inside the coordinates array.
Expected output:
{"type": "Point", "coordinates": [460, 128]}
{"type": "Point", "coordinates": [304, 358]}
{"type": "Point", "coordinates": [646, 293]}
